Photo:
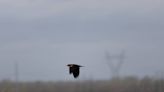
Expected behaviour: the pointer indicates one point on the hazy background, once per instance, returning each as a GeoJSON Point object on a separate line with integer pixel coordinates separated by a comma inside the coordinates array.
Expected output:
{"type": "Point", "coordinates": [43, 36]}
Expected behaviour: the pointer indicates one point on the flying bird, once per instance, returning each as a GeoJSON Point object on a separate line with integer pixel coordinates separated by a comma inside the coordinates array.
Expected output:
{"type": "Point", "coordinates": [74, 69]}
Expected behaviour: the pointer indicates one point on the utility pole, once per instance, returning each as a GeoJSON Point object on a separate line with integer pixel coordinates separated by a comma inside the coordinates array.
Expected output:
{"type": "Point", "coordinates": [16, 77]}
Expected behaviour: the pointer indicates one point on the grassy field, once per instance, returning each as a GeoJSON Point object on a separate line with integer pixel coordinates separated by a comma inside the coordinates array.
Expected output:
{"type": "Point", "coordinates": [128, 84]}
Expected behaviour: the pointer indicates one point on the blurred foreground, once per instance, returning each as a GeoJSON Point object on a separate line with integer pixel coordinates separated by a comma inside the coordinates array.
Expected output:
{"type": "Point", "coordinates": [128, 84]}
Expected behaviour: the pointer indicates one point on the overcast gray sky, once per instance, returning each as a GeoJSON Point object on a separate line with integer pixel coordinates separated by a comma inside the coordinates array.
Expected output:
{"type": "Point", "coordinates": [43, 36]}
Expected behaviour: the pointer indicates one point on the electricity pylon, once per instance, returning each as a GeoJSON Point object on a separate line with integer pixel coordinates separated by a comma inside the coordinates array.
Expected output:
{"type": "Point", "coordinates": [115, 66]}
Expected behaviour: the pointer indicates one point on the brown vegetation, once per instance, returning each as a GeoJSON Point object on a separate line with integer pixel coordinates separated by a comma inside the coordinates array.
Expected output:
{"type": "Point", "coordinates": [128, 84]}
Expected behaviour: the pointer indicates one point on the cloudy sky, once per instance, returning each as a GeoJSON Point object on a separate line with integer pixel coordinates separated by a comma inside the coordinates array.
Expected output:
{"type": "Point", "coordinates": [43, 36]}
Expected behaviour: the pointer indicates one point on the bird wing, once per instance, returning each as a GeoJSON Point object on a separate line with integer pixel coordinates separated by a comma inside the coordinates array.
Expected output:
{"type": "Point", "coordinates": [75, 71]}
{"type": "Point", "coordinates": [70, 70]}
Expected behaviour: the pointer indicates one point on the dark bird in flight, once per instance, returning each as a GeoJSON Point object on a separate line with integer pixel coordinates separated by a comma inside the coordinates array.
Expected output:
{"type": "Point", "coordinates": [75, 69]}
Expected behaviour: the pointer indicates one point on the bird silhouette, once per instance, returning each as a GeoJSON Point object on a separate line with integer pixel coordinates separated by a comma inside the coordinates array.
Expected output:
{"type": "Point", "coordinates": [75, 69]}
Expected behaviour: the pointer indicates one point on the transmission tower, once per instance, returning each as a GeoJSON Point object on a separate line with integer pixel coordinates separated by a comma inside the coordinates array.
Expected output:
{"type": "Point", "coordinates": [115, 66]}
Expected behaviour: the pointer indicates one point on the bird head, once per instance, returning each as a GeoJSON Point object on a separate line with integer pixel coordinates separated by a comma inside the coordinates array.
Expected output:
{"type": "Point", "coordinates": [69, 65]}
